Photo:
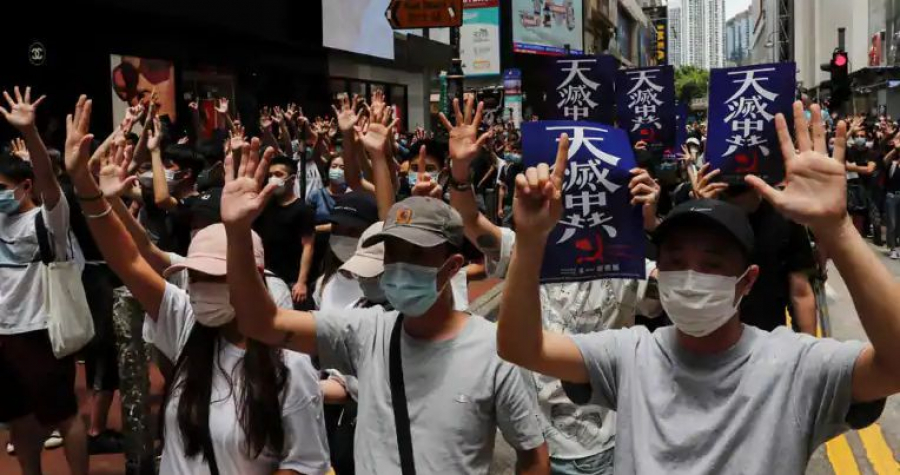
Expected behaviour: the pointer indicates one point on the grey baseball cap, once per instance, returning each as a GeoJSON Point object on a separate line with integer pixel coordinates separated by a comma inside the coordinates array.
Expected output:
{"type": "Point", "coordinates": [423, 222]}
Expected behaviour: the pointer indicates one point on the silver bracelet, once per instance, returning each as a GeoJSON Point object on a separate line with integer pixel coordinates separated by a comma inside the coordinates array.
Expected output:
{"type": "Point", "coordinates": [104, 214]}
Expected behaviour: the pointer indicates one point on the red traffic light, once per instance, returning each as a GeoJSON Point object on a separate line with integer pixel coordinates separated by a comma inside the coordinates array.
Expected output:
{"type": "Point", "coordinates": [840, 60]}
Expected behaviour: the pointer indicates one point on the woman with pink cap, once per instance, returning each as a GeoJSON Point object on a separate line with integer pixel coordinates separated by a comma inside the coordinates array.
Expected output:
{"type": "Point", "coordinates": [235, 405]}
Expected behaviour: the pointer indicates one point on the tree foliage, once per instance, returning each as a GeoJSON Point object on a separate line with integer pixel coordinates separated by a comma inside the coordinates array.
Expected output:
{"type": "Point", "coordinates": [691, 82]}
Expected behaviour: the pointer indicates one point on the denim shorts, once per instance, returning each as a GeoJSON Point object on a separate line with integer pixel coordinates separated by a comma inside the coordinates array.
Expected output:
{"type": "Point", "coordinates": [599, 464]}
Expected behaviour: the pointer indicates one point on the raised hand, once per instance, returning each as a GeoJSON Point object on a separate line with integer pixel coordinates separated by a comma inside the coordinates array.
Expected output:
{"type": "Point", "coordinates": [537, 205]}
{"type": "Point", "coordinates": [194, 106]}
{"type": "Point", "coordinates": [347, 118]}
{"type": "Point", "coordinates": [154, 135]}
{"type": "Point", "coordinates": [277, 115]}
{"type": "Point", "coordinates": [114, 180]}
{"type": "Point", "coordinates": [18, 148]}
{"type": "Point", "coordinates": [464, 140]}
{"type": "Point", "coordinates": [376, 135]}
{"type": "Point", "coordinates": [134, 113]}
{"type": "Point", "coordinates": [424, 185]}
{"type": "Point", "coordinates": [78, 140]}
{"type": "Point", "coordinates": [222, 105]}
{"type": "Point", "coordinates": [21, 112]}
{"type": "Point", "coordinates": [236, 138]}
{"type": "Point", "coordinates": [644, 189]}
{"type": "Point", "coordinates": [815, 194]}
{"type": "Point", "coordinates": [244, 195]}
{"type": "Point", "coordinates": [703, 186]}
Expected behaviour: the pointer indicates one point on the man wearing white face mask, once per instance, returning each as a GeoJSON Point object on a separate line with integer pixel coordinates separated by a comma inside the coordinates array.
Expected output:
{"type": "Point", "coordinates": [711, 395]}
{"type": "Point", "coordinates": [427, 373]}
{"type": "Point", "coordinates": [287, 228]}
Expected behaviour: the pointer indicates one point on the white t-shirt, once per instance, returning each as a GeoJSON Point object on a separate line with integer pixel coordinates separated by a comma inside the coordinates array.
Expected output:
{"type": "Point", "coordinates": [313, 177]}
{"type": "Point", "coordinates": [306, 445]}
{"type": "Point", "coordinates": [21, 286]}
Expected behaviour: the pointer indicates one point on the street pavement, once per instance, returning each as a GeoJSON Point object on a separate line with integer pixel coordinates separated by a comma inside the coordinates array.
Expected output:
{"type": "Point", "coordinates": [871, 451]}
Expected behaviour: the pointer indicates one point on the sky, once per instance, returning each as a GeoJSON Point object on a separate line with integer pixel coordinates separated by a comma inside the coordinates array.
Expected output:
{"type": "Point", "coordinates": [733, 7]}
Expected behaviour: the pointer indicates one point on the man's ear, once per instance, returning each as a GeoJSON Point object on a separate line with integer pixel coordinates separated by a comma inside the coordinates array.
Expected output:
{"type": "Point", "coordinates": [452, 266]}
{"type": "Point", "coordinates": [748, 281]}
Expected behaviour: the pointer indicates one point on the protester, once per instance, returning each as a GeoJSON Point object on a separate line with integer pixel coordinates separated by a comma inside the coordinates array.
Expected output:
{"type": "Point", "coordinates": [580, 440]}
{"type": "Point", "coordinates": [711, 377]}
{"type": "Point", "coordinates": [287, 228]}
{"type": "Point", "coordinates": [452, 435]}
{"type": "Point", "coordinates": [892, 197]}
{"type": "Point", "coordinates": [222, 380]}
{"type": "Point", "coordinates": [31, 405]}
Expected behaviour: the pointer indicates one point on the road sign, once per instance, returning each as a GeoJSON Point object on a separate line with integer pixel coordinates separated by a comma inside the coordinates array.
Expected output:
{"type": "Point", "coordinates": [405, 14]}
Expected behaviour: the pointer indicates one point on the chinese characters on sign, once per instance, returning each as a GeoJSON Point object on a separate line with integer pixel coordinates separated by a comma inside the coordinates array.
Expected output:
{"type": "Point", "coordinates": [600, 234]}
{"type": "Point", "coordinates": [583, 88]}
{"type": "Point", "coordinates": [646, 103]}
{"type": "Point", "coordinates": [743, 104]}
{"type": "Point", "coordinates": [662, 40]}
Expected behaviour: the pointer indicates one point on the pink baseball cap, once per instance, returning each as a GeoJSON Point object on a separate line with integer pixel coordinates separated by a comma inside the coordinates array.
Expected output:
{"type": "Point", "coordinates": [209, 249]}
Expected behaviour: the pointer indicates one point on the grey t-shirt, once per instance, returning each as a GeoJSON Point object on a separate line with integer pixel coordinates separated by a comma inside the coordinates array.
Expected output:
{"type": "Point", "coordinates": [458, 393]}
{"type": "Point", "coordinates": [761, 407]}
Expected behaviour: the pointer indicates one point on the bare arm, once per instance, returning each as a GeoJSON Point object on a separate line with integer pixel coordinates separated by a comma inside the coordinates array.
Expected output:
{"type": "Point", "coordinates": [113, 240]}
{"type": "Point", "coordinates": [21, 115]}
{"type": "Point", "coordinates": [257, 315]}
{"type": "Point", "coordinates": [803, 302]}
{"type": "Point", "coordinates": [521, 338]}
{"type": "Point", "coordinates": [306, 259]}
{"type": "Point", "coordinates": [464, 147]}
{"type": "Point", "coordinates": [816, 197]}
{"type": "Point", "coordinates": [375, 138]}
{"type": "Point", "coordinates": [533, 462]}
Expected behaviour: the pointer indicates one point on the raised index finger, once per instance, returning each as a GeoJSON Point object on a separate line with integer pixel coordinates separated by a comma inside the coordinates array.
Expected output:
{"type": "Point", "coordinates": [562, 160]}
{"type": "Point", "coordinates": [422, 153]}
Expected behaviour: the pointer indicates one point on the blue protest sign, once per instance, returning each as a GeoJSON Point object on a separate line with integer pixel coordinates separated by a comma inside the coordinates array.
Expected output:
{"type": "Point", "coordinates": [600, 234]}
{"type": "Point", "coordinates": [583, 88]}
{"type": "Point", "coordinates": [742, 106]}
{"type": "Point", "coordinates": [646, 105]}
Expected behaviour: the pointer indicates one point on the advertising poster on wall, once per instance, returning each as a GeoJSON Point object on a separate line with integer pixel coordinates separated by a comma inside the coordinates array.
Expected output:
{"type": "Point", "coordinates": [512, 93]}
{"type": "Point", "coordinates": [547, 26]}
{"type": "Point", "coordinates": [480, 39]}
{"type": "Point", "coordinates": [134, 80]}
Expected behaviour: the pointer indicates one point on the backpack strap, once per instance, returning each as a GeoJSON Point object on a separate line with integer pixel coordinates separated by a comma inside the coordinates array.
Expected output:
{"type": "Point", "coordinates": [43, 236]}
{"type": "Point", "coordinates": [398, 401]}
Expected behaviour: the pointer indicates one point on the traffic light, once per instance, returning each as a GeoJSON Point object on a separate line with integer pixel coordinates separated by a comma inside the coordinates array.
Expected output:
{"type": "Point", "coordinates": [839, 68]}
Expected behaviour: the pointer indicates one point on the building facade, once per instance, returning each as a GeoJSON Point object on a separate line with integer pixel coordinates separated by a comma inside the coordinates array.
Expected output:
{"type": "Point", "coordinates": [737, 39]}
{"type": "Point", "coordinates": [698, 28]}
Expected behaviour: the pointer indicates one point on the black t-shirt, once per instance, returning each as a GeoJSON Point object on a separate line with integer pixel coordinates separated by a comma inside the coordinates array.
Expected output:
{"type": "Point", "coordinates": [892, 177]}
{"type": "Point", "coordinates": [281, 229]}
{"type": "Point", "coordinates": [781, 248]}
{"type": "Point", "coordinates": [860, 157]}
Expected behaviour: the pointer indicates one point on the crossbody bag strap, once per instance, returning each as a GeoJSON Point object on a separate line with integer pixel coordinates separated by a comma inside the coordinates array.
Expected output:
{"type": "Point", "coordinates": [398, 401]}
{"type": "Point", "coordinates": [43, 236]}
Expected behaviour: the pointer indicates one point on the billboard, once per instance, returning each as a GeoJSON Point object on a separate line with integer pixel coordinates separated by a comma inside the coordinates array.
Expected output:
{"type": "Point", "coordinates": [358, 26]}
{"type": "Point", "coordinates": [134, 79]}
{"type": "Point", "coordinates": [662, 40]}
{"type": "Point", "coordinates": [547, 26]}
{"type": "Point", "coordinates": [479, 41]}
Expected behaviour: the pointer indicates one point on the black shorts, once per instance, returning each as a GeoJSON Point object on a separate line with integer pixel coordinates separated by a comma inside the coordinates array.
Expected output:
{"type": "Point", "coordinates": [34, 381]}
{"type": "Point", "coordinates": [101, 366]}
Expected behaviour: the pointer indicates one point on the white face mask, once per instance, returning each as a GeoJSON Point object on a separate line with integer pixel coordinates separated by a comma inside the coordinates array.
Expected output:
{"type": "Point", "coordinates": [211, 303]}
{"type": "Point", "coordinates": [698, 304]}
{"type": "Point", "coordinates": [343, 246]}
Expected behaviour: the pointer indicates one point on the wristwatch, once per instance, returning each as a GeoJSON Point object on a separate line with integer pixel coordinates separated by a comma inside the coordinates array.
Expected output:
{"type": "Point", "coordinates": [459, 186]}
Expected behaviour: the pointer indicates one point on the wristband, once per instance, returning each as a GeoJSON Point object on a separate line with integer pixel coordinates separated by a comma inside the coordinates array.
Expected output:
{"type": "Point", "coordinates": [100, 215]}
{"type": "Point", "coordinates": [459, 186]}
{"type": "Point", "coordinates": [90, 198]}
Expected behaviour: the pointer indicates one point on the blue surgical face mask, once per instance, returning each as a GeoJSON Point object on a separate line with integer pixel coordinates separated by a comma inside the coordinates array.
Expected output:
{"type": "Point", "coordinates": [336, 175]}
{"type": "Point", "coordinates": [513, 158]}
{"type": "Point", "coordinates": [413, 178]}
{"type": "Point", "coordinates": [411, 289]}
{"type": "Point", "coordinates": [8, 202]}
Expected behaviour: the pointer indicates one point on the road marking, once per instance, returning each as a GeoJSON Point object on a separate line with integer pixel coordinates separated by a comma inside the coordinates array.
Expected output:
{"type": "Point", "coordinates": [841, 457]}
{"type": "Point", "coordinates": [878, 451]}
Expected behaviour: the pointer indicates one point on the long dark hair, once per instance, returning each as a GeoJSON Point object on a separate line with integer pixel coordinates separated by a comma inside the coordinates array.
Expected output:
{"type": "Point", "coordinates": [259, 407]}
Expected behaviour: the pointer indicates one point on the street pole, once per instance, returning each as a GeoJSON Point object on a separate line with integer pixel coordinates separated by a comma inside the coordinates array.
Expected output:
{"type": "Point", "coordinates": [456, 75]}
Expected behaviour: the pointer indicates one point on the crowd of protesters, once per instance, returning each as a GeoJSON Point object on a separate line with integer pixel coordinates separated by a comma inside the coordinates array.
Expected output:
{"type": "Point", "coordinates": [306, 292]}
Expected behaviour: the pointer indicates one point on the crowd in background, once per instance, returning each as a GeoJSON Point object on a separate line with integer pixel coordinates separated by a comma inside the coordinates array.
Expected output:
{"type": "Point", "coordinates": [325, 198]}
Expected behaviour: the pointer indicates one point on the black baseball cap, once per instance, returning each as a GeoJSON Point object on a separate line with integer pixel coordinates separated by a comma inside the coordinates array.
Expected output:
{"type": "Point", "coordinates": [354, 210]}
{"type": "Point", "coordinates": [715, 213]}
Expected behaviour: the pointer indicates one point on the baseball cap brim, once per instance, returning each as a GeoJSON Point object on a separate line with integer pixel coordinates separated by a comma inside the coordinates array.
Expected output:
{"type": "Point", "coordinates": [412, 235]}
{"type": "Point", "coordinates": [695, 218]}
{"type": "Point", "coordinates": [209, 265]}
{"type": "Point", "coordinates": [364, 266]}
